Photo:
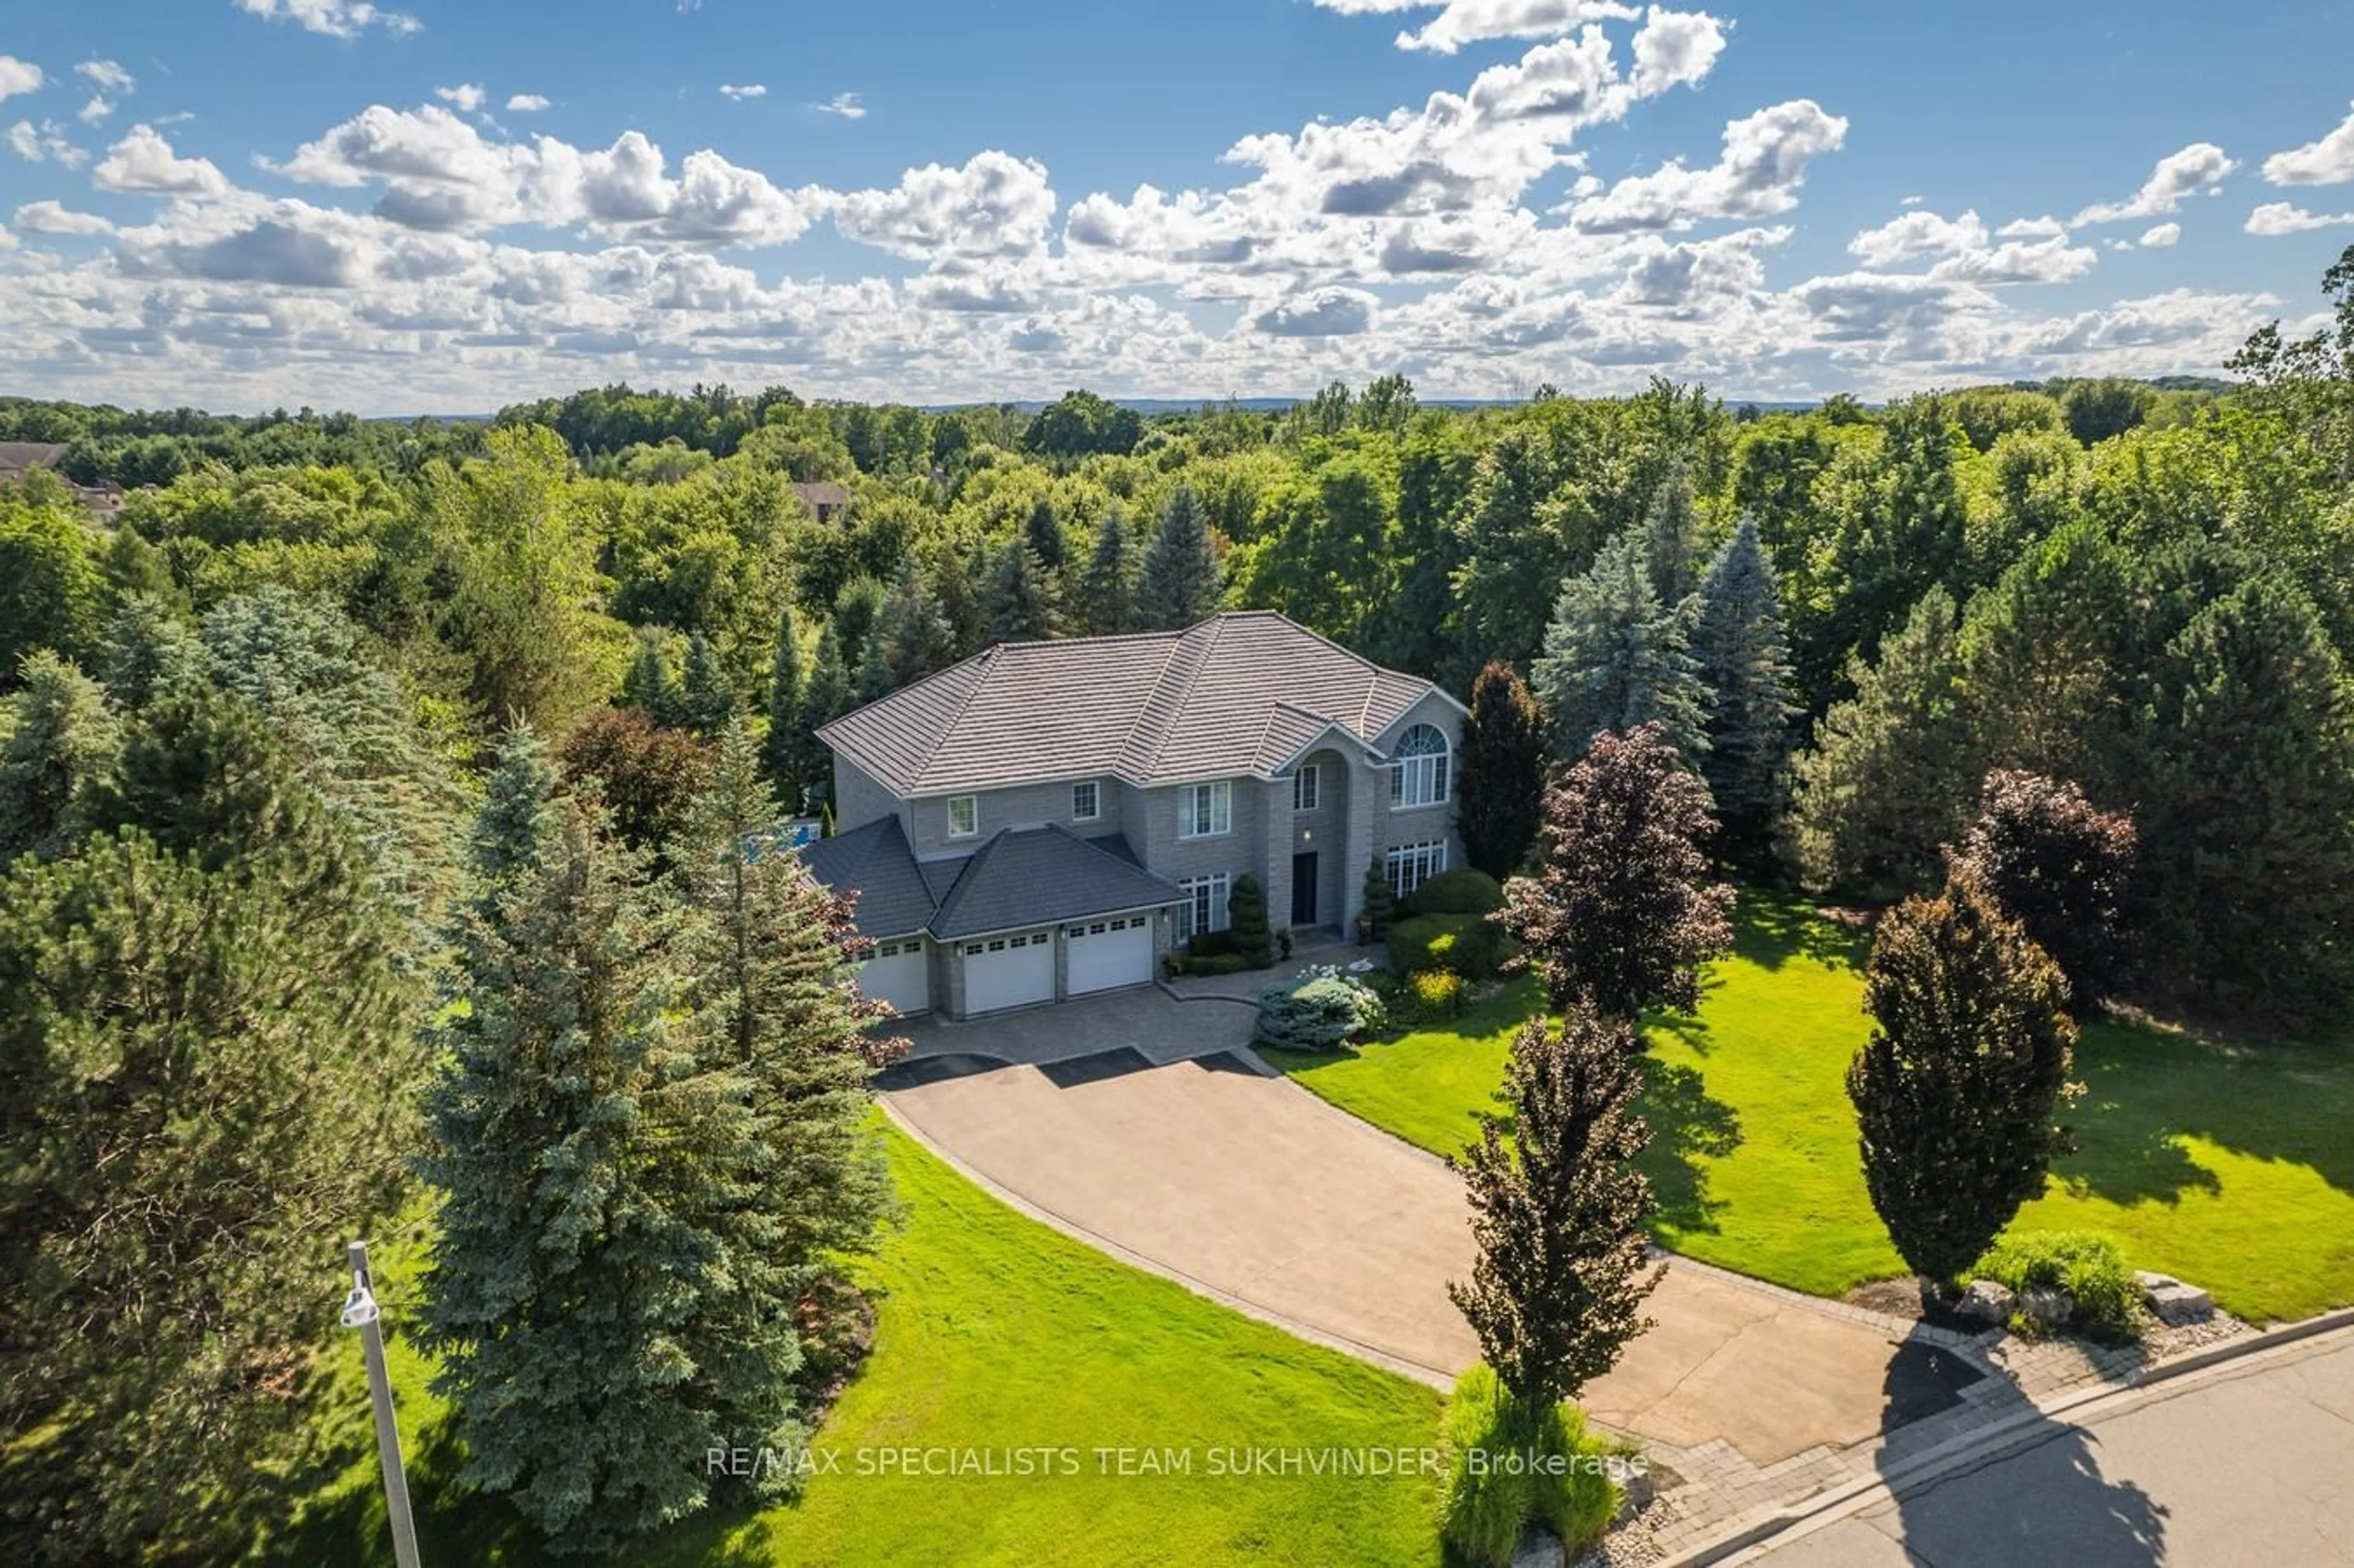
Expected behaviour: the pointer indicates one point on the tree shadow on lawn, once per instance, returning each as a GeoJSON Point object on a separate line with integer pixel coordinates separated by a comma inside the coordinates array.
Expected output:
{"type": "Point", "coordinates": [1687, 1126]}
{"type": "Point", "coordinates": [1770, 928]}
{"type": "Point", "coordinates": [2147, 1089]}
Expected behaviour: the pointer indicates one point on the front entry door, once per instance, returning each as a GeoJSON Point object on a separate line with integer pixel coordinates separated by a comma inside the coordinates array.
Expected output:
{"type": "Point", "coordinates": [1303, 889]}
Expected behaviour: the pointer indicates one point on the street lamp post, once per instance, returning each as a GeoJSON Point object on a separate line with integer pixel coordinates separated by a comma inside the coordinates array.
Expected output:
{"type": "Point", "coordinates": [360, 1312]}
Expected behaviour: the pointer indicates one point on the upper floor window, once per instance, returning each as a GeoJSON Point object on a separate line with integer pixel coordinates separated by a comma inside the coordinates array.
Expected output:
{"type": "Point", "coordinates": [1086, 801]}
{"type": "Point", "coordinates": [1204, 811]}
{"type": "Point", "coordinates": [1304, 787]}
{"type": "Point", "coordinates": [1418, 769]}
{"type": "Point", "coordinates": [964, 816]}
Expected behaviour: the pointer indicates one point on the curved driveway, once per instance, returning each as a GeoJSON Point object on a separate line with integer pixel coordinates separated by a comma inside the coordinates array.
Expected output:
{"type": "Point", "coordinates": [1253, 1191]}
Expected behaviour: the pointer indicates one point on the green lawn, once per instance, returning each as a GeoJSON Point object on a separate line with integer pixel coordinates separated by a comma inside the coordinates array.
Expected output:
{"type": "Point", "coordinates": [2228, 1165]}
{"type": "Point", "coordinates": [997, 1333]}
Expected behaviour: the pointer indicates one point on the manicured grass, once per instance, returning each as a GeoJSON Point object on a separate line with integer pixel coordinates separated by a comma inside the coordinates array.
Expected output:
{"type": "Point", "coordinates": [997, 1333]}
{"type": "Point", "coordinates": [2230, 1165]}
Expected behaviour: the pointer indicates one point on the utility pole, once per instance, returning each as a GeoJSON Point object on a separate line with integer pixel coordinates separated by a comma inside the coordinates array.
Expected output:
{"type": "Point", "coordinates": [360, 1312]}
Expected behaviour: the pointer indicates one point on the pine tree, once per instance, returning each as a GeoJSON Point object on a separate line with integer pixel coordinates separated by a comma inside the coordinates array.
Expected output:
{"type": "Point", "coordinates": [1955, 1091]}
{"type": "Point", "coordinates": [876, 679]}
{"type": "Point", "coordinates": [1044, 533]}
{"type": "Point", "coordinates": [785, 749]}
{"type": "Point", "coordinates": [584, 1158]}
{"type": "Point", "coordinates": [706, 702]}
{"type": "Point", "coordinates": [1103, 603]}
{"type": "Point", "coordinates": [649, 686]}
{"type": "Point", "coordinates": [829, 692]}
{"type": "Point", "coordinates": [769, 952]}
{"type": "Point", "coordinates": [1745, 666]}
{"type": "Point", "coordinates": [1560, 1213]}
{"type": "Point", "coordinates": [223, 1049]}
{"type": "Point", "coordinates": [58, 735]}
{"type": "Point", "coordinates": [1889, 780]}
{"type": "Point", "coordinates": [145, 649]}
{"type": "Point", "coordinates": [1671, 539]}
{"type": "Point", "coordinates": [916, 637]}
{"type": "Point", "coordinates": [1503, 754]}
{"type": "Point", "coordinates": [2242, 735]}
{"type": "Point", "coordinates": [1246, 919]}
{"type": "Point", "coordinates": [1019, 607]}
{"type": "Point", "coordinates": [1617, 913]}
{"type": "Point", "coordinates": [1179, 583]}
{"type": "Point", "coordinates": [1615, 657]}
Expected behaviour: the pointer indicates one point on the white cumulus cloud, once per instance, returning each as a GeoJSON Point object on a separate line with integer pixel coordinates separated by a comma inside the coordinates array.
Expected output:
{"type": "Point", "coordinates": [108, 76]}
{"type": "Point", "coordinates": [143, 164]}
{"type": "Point", "coordinates": [995, 205]}
{"type": "Point", "coordinates": [748, 90]}
{"type": "Point", "coordinates": [1461, 22]}
{"type": "Point", "coordinates": [2274, 218]}
{"type": "Point", "coordinates": [845, 104]}
{"type": "Point", "coordinates": [19, 77]}
{"type": "Point", "coordinates": [2199, 166]}
{"type": "Point", "coordinates": [466, 98]}
{"type": "Point", "coordinates": [335, 18]}
{"type": "Point", "coordinates": [2327, 162]}
{"type": "Point", "coordinates": [1757, 174]}
{"type": "Point", "coordinates": [526, 103]}
{"type": "Point", "coordinates": [50, 217]}
{"type": "Point", "coordinates": [2160, 237]}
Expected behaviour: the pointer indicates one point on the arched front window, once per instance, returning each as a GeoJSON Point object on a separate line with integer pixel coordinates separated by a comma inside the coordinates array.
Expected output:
{"type": "Point", "coordinates": [1418, 769]}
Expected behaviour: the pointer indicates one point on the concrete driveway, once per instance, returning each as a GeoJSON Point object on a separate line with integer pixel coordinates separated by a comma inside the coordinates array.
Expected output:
{"type": "Point", "coordinates": [1252, 1189]}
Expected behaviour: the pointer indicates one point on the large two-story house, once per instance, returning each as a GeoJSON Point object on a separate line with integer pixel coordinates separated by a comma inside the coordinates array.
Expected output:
{"type": "Point", "coordinates": [1043, 820]}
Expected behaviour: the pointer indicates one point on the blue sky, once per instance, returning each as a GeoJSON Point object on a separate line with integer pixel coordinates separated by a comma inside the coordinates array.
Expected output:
{"type": "Point", "coordinates": [242, 203]}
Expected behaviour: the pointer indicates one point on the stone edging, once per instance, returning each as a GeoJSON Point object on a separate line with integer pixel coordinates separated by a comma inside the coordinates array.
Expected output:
{"type": "Point", "coordinates": [1837, 1502]}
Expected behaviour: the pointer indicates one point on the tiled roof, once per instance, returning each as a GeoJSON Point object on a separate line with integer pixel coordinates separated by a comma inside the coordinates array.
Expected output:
{"type": "Point", "coordinates": [1036, 876]}
{"type": "Point", "coordinates": [873, 860]}
{"type": "Point", "coordinates": [21, 457]}
{"type": "Point", "coordinates": [1238, 694]}
{"type": "Point", "coordinates": [1027, 876]}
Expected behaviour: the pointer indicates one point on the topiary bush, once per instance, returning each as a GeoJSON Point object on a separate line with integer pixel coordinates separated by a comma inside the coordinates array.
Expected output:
{"type": "Point", "coordinates": [2089, 1267]}
{"type": "Point", "coordinates": [1459, 893]}
{"type": "Point", "coordinates": [1319, 1009]}
{"type": "Point", "coordinates": [1508, 1466]}
{"type": "Point", "coordinates": [1466, 944]}
{"type": "Point", "coordinates": [1247, 920]}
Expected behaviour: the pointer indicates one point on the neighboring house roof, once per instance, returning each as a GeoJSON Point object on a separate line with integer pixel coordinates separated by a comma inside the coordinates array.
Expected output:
{"type": "Point", "coordinates": [821, 492]}
{"type": "Point", "coordinates": [1240, 693]}
{"type": "Point", "coordinates": [875, 860]}
{"type": "Point", "coordinates": [1036, 876]}
{"type": "Point", "coordinates": [1021, 876]}
{"type": "Point", "coordinates": [23, 457]}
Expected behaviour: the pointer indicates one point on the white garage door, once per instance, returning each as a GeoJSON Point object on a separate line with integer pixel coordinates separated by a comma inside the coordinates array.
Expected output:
{"type": "Point", "coordinates": [1109, 954]}
{"type": "Point", "coordinates": [1009, 972]}
{"type": "Point", "coordinates": [897, 974]}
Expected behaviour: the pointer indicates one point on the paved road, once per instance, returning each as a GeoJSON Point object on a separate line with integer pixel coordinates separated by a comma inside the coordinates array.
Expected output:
{"type": "Point", "coordinates": [2249, 1463]}
{"type": "Point", "coordinates": [1253, 1189]}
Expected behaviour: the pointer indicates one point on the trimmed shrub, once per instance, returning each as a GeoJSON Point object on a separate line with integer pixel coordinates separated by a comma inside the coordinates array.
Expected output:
{"type": "Point", "coordinates": [1246, 917]}
{"type": "Point", "coordinates": [2089, 1267]}
{"type": "Point", "coordinates": [1466, 944]}
{"type": "Point", "coordinates": [1215, 964]}
{"type": "Point", "coordinates": [1459, 893]}
{"type": "Point", "coordinates": [1318, 1011]}
{"type": "Point", "coordinates": [1381, 905]}
{"type": "Point", "coordinates": [1211, 944]}
{"type": "Point", "coordinates": [1435, 994]}
{"type": "Point", "coordinates": [1485, 1503]}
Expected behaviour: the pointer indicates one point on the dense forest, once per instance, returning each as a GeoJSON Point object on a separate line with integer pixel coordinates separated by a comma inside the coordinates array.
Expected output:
{"type": "Point", "coordinates": [379, 733]}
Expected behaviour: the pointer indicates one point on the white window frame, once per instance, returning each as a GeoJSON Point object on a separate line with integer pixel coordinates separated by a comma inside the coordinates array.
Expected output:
{"type": "Point", "coordinates": [1306, 787]}
{"type": "Point", "coordinates": [972, 805]}
{"type": "Point", "coordinates": [1217, 888]}
{"type": "Point", "coordinates": [1206, 810]}
{"type": "Point", "coordinates": [1409, 866]}
{"type": "Point", "coordinates": [1094, 813]}
{"type": "Point", "coordinates": [1423, 778]}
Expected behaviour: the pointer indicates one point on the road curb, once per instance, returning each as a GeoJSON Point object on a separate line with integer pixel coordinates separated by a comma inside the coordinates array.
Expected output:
{"type": "Point", "coordinates": [1988, 1442]}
